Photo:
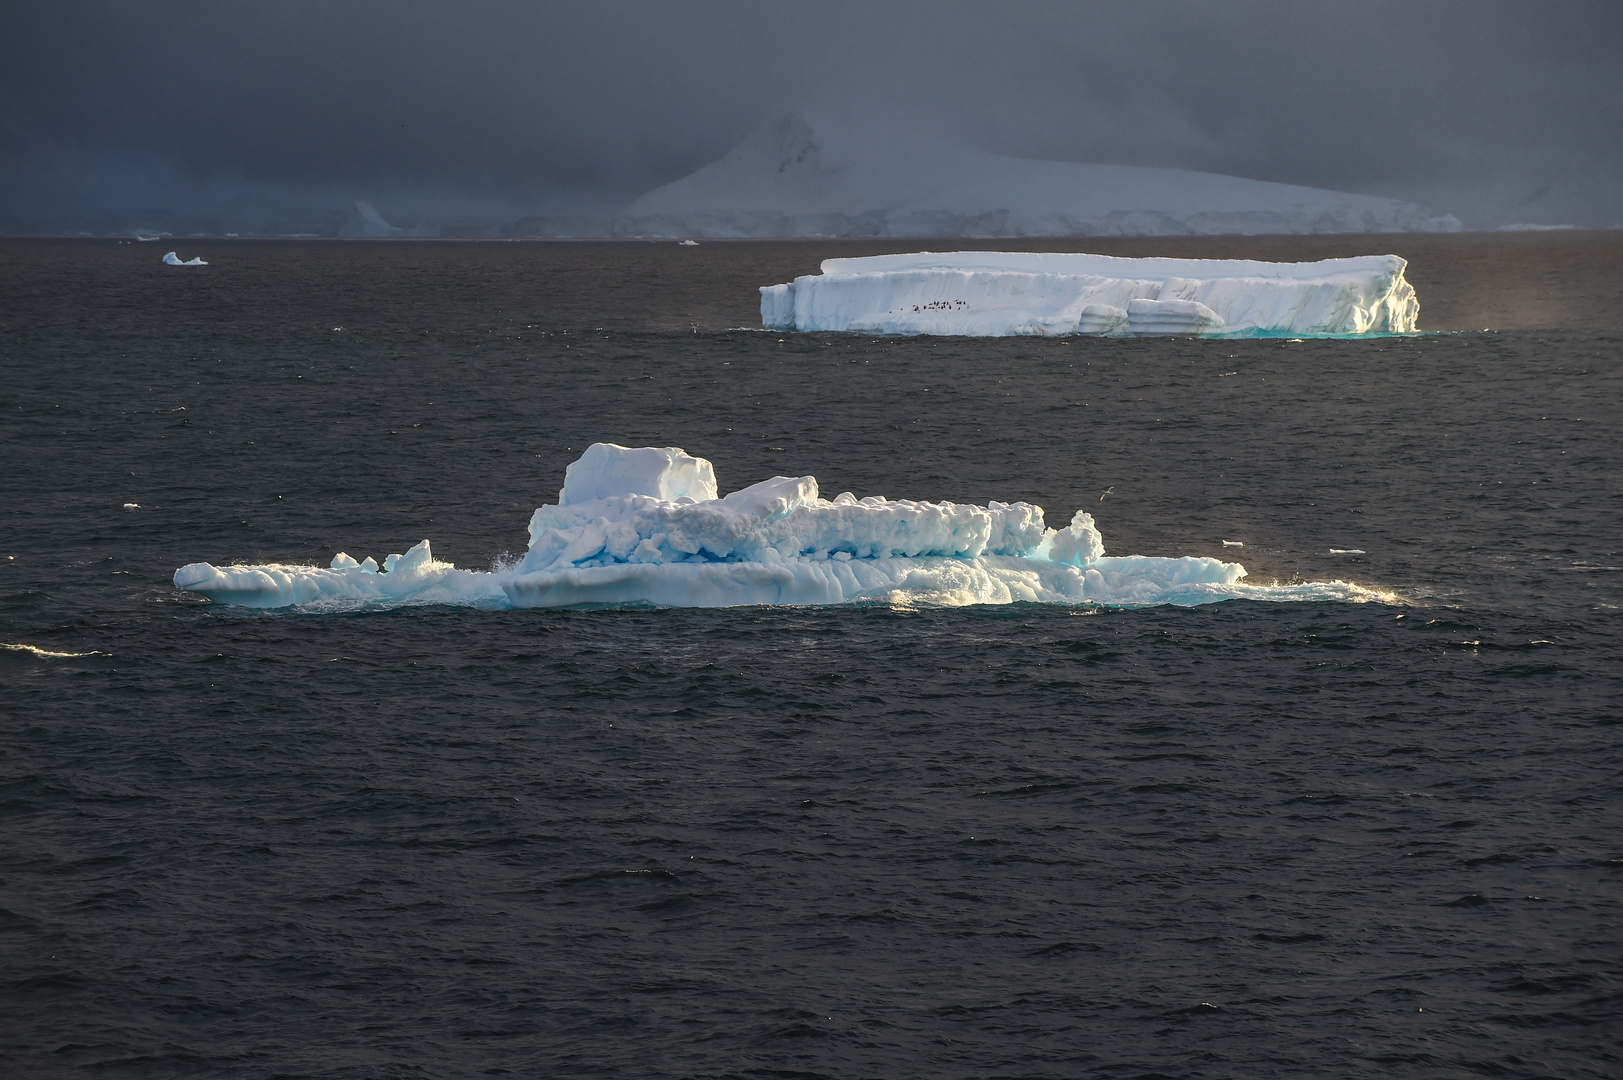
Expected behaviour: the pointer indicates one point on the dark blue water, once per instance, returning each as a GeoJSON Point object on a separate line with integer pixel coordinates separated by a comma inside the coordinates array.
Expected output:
{"type": "Point", "coordinates": [1243, 840]}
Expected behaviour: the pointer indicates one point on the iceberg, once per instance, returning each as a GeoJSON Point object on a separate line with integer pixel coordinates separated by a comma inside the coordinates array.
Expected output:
{"type": "Point", "coordinates": [787, 179]}
{"type": "Point", "coordinates": [415, 577]}
{"type": "Point", "coordinates": [645, 526]}
{"type": "Point", "coordinates": [1013, 293]}
{"type": "Point", "coordinates": [174, 260]}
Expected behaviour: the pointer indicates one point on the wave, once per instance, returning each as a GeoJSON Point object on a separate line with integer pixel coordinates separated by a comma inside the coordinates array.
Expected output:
{"type": "Point", "coordinates": [46, 654]}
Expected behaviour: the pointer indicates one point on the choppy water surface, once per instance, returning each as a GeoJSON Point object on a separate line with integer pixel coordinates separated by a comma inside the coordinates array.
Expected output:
{"type": "Point", "coordinates": [1233, 841]}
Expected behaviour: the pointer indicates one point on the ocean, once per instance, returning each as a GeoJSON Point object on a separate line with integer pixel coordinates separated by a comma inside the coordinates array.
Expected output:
{"type": "Point", "coordinates": [1237, 840]}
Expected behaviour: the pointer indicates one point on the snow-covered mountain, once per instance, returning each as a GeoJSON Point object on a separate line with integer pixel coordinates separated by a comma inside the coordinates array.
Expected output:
{"type": "Point", "coordinates": [786, 180]}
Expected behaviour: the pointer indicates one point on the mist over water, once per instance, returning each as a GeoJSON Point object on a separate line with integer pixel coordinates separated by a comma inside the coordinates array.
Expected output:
{"type": "Point", "coordinates": [1242, 840]}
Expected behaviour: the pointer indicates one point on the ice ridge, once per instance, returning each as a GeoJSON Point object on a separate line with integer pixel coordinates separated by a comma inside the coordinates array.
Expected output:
{"type": "Point", "coordinates": [645, 526]}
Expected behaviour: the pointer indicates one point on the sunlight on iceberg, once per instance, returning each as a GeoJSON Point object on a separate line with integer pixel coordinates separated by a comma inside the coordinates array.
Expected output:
{"type": "Point", "coordinates": [645, 526]}
{"type": "Point", "coordinates": [1015, 293]}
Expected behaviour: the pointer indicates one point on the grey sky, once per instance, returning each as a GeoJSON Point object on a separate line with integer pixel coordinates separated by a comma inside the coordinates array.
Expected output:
{"type": "Point", "coordinates": [1495, 111]}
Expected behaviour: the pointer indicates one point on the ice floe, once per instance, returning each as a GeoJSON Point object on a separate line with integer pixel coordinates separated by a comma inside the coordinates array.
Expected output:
{"type": "Point", "coordinates": [1014, 293]}
{"type": "Point", "coordinates": [645, 526]}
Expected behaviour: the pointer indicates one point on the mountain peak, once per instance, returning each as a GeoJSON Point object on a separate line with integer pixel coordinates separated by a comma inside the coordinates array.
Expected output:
{"type": "Point", "coordinates": [789, 179]}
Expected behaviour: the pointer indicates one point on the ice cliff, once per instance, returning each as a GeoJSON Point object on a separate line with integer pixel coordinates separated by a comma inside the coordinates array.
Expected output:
{"type": "Point", "coordinates": [645, 526]}
{"type": "Point", "coordinates": [1004, 293]}
{"type": "Point", "coordinates": [789, 180]}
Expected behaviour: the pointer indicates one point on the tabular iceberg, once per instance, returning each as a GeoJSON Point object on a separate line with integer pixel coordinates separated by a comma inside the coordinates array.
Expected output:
{"type": "Point", "coordinates": [645, 526]}
{"type": "Point", "coordinates": [1014, 293]}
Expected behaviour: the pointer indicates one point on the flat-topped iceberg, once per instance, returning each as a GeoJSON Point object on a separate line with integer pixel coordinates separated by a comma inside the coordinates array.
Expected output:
{"type": "Point", "coordinates": [645, 526]}
{"type": "Point", "coordinates": [1014, 293]}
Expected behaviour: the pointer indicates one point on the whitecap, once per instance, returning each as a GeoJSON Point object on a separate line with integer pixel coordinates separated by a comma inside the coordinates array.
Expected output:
{"type": "Point", "coordinates": [46, 654]}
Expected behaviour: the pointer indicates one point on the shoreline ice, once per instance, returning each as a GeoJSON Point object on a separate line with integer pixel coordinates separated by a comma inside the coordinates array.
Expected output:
{"type": "Point", "coordinates": [1012, 294]}
{"type": "Point", "coordinates": [646, 527]}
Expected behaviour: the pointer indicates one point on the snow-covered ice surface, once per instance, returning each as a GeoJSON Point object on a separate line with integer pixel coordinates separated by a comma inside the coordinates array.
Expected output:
{"type": "Point", "coordinates": [645, 527]}
{"type": "Point", "coordinates": [412, 578]}
{"type": "Point", "coordinates": [1011, 293]}
{"type": "Point", "coordinates": [789, 180]}
{"type": "Point", "coordinates": [175, 260]}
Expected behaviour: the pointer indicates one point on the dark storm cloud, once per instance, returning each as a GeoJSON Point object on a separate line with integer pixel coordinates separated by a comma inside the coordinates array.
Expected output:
{"type": "Point", "coordinates": [1496, 111]}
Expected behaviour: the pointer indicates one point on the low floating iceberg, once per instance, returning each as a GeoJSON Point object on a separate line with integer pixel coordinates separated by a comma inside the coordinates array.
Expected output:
{"type": "Point", "coordinates": [1009, 294]}
{"type": "Point", "coordinates": [413, 578]}
{"type": "Point", "coordinates": [174, 260]}
{"type": "Point", "coordinates": [645, 526]}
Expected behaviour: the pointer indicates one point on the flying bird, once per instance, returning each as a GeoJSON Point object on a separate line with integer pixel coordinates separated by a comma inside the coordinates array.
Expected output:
{"type": "Point", "coordinates": [1106, 491]}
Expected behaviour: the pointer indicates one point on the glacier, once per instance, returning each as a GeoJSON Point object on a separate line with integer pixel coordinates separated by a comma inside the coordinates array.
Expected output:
{"type": "Point", "coordinates": [646, 526]}
{"type": "Point", "coordinates": [788, 179]}
{"type": "Point", "coordinates": [1010, 293]}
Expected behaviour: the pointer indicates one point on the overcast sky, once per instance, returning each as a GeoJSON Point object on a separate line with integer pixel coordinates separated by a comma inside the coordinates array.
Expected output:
{"type": "Point", "coordinates": [1495, 111]}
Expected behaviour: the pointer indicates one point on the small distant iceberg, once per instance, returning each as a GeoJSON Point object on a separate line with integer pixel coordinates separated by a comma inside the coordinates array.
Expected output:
{"type": "Point", "coordinates": [645, 526]}
{"type": "Point", "coordinates": [1013, 293]}
{"type": "Point", "coordinates": [174, 260]}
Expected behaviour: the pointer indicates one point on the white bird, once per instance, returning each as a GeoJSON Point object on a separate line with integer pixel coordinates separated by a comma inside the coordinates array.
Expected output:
{"type": "Point", "coordinates": [1106, 491]}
